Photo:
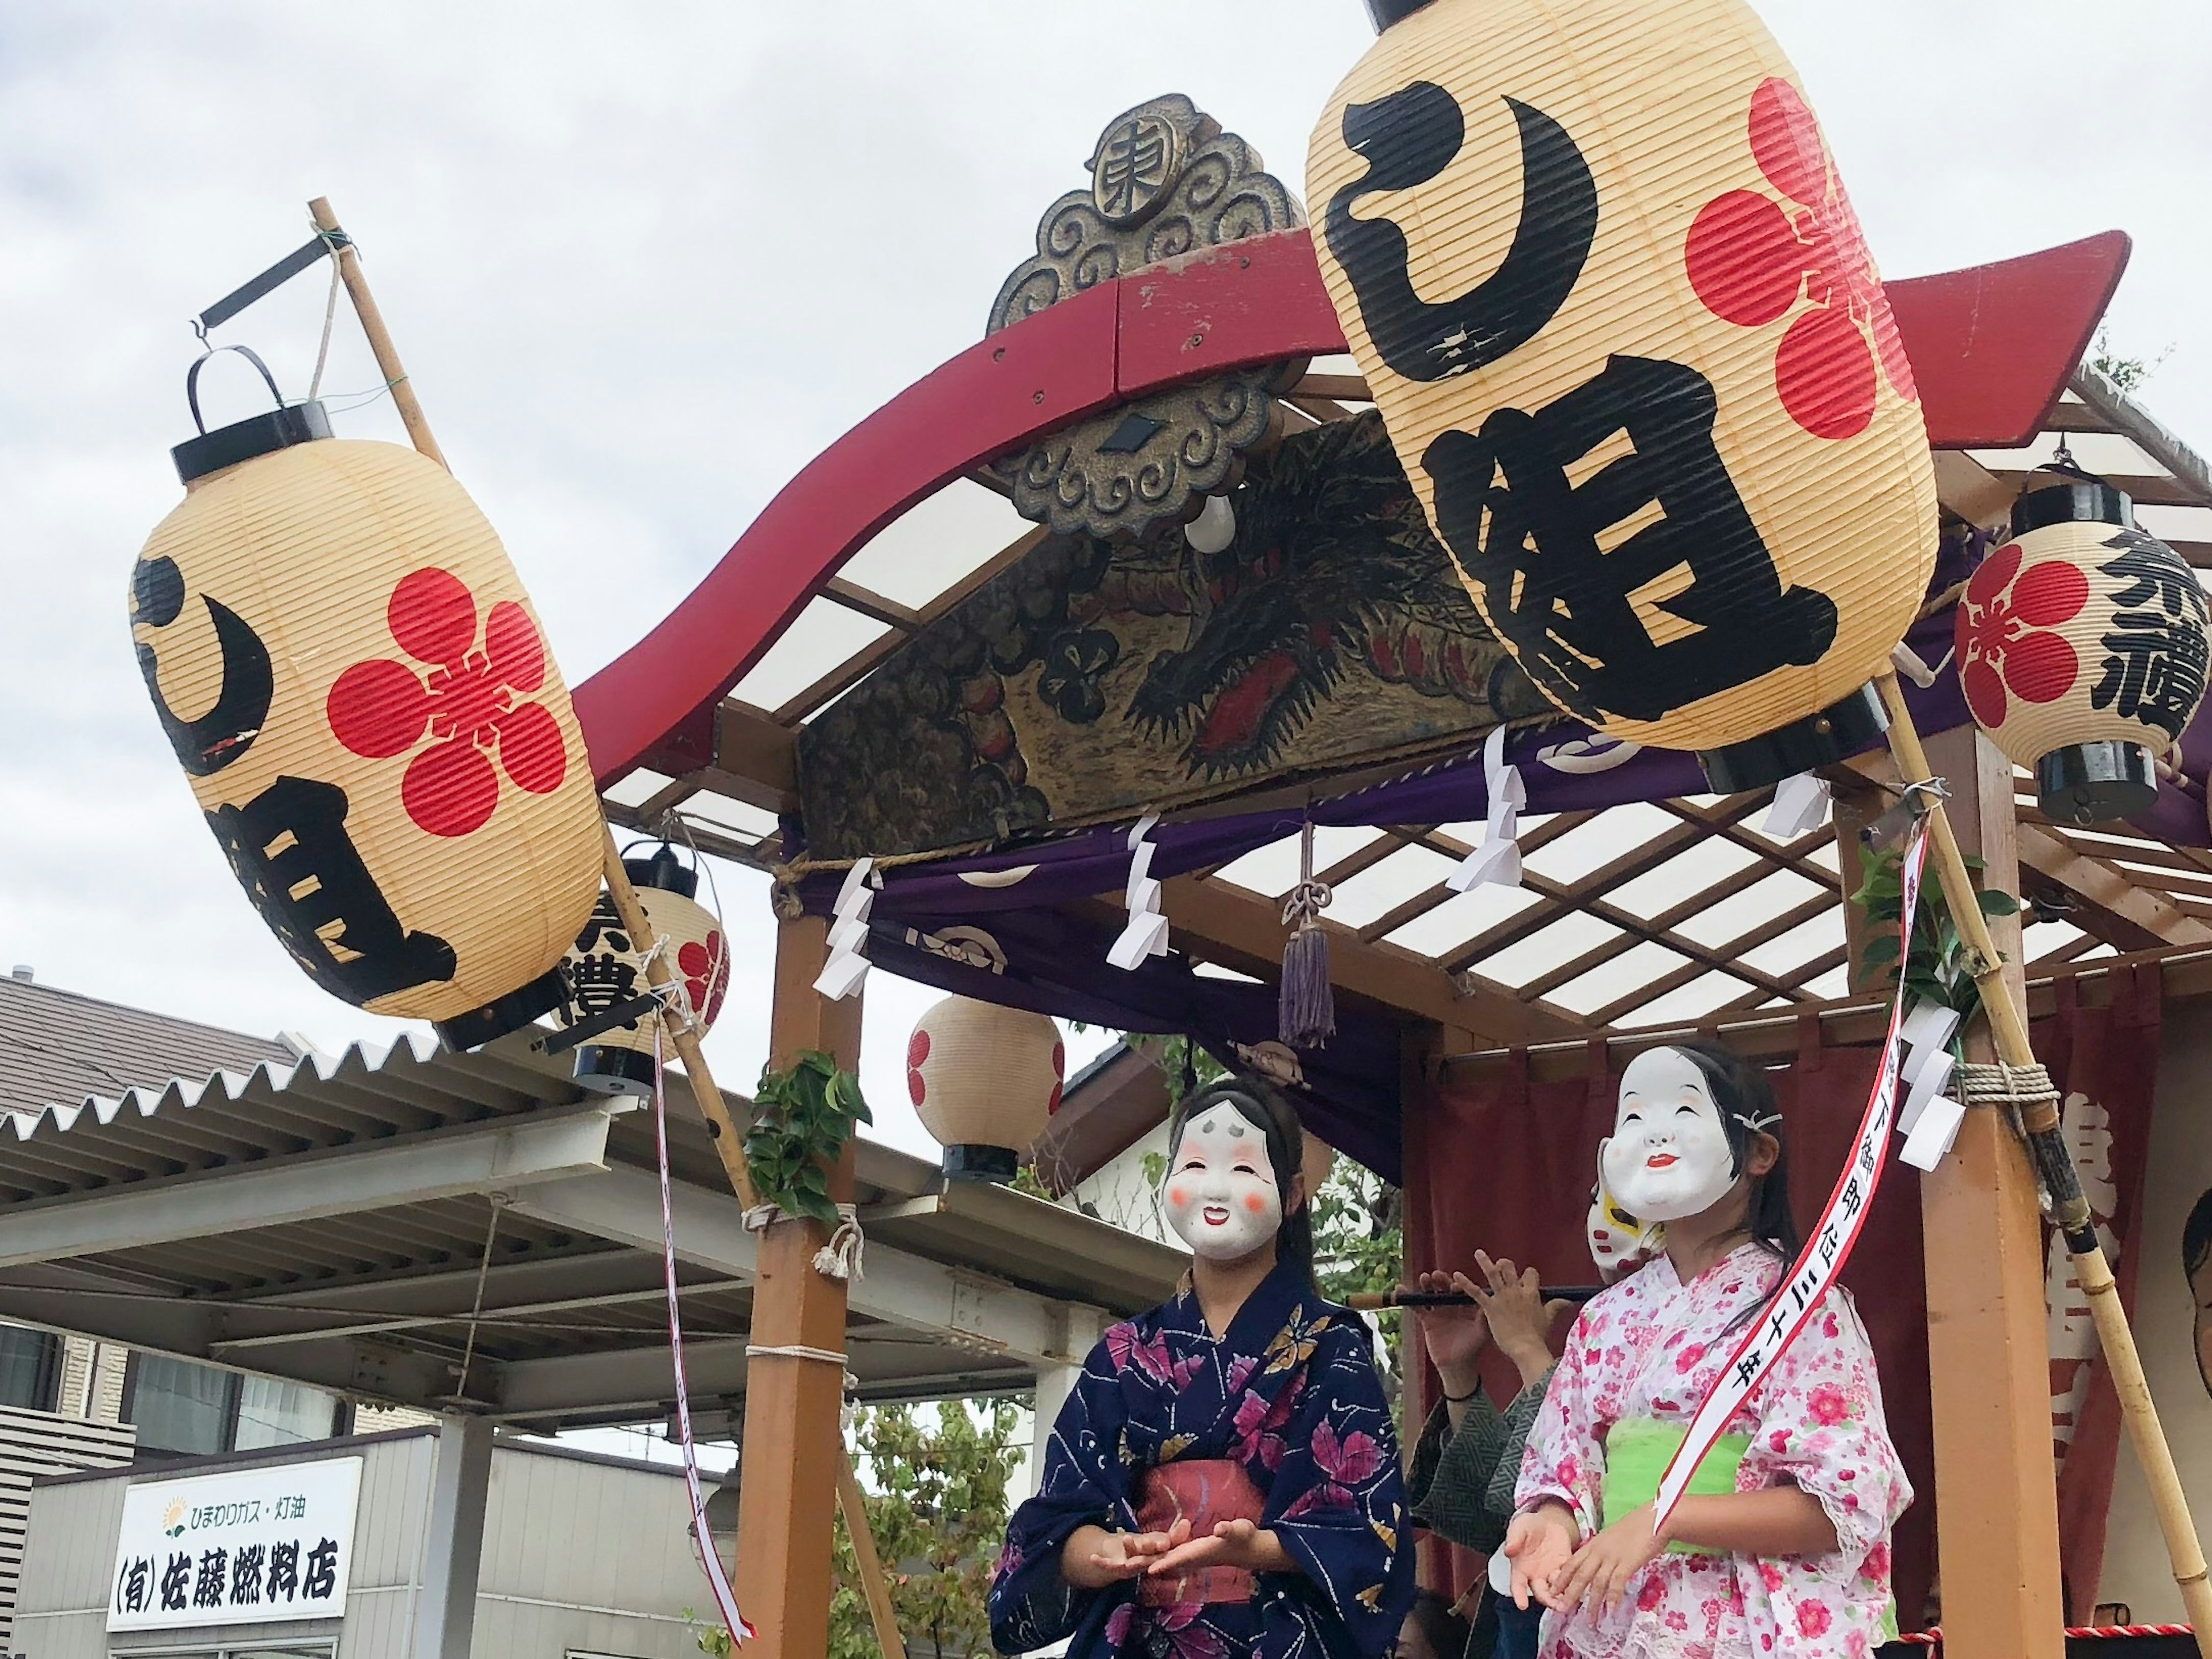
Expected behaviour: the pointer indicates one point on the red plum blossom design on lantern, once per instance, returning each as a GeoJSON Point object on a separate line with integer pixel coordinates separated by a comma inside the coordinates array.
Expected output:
{"type": "Point", "coordinates": [706, 970]}
{"type": "Point", "coordinates": [2003, 651]}
{"type": "Point", "coordinates": [470, 700]}
{"type": "Point", "coordinates": [1751, 259]}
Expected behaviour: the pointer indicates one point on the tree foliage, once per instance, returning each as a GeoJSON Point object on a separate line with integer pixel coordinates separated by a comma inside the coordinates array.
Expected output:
{"type": "Point", "coordinates": [1940, 965]}
{"type": "Point", "coordinates": [937, 1502]}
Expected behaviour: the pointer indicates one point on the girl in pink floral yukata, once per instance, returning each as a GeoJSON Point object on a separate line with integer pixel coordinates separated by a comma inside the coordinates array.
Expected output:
{"type": "Point", "coordinates": [1781, 1546]}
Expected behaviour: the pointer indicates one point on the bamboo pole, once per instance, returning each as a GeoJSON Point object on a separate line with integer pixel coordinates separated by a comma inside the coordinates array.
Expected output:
{"type": "Point", "coordinates": [379, 337]}
{"type": "Point", "coordinates": [2009, 1028]}
{"type": "Point", "coordinates": [874, 1584]}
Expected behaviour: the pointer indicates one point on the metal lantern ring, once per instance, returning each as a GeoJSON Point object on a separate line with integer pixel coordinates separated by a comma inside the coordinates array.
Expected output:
{"type": "Point", "coordinates": [2081, 647]}
{"type": "Point", "coordinates": [605, 968]}
{"type": "Point", "coordinates": [1608, 293]}
{"type": "Point", "coordinates": [349, 671]}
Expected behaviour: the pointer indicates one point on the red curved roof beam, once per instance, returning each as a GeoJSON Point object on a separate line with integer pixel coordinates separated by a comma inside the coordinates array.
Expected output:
{"type": "Point", "coordinates": [1990, 347]}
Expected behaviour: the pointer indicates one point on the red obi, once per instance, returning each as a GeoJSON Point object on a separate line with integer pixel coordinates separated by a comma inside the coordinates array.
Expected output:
{"type": "Point", "coordinates": [1202, 1491]}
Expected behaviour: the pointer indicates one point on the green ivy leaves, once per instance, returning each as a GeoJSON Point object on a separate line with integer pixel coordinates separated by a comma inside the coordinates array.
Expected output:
{"type": "Point", "coordinates": [803, 1116]}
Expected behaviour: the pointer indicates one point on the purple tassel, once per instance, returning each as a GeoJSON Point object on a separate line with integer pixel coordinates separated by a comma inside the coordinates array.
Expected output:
{"type": "Point", "coordinates": [1305, 1016]}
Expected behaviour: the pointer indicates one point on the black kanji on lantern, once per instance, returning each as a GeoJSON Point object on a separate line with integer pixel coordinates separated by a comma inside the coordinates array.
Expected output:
{"type": "Point", "coordinates": [604, 927]}
{"type": "Point", "coordinates": [1408, 139]}
{"type": "Point", "coordinates": [1611, 620]}
{"type": "Point", "coordinates": [2156, 657]}
{"type": "Point", "coordinates": [291, 851]}
{"type": "Point", "coordinates": [206, 744]}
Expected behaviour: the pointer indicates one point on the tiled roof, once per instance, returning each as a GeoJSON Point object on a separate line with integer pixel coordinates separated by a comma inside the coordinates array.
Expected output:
{"type": "Point", "coordinates": [59, 1048]}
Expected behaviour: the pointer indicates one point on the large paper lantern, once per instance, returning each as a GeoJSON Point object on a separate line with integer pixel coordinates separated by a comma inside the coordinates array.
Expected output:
{"type": "Point", "coordinates": [349, 672]}
{"type": "Point", "coordinates": [1612, 302]}
{"type": "Point", "coordinates": [605, 969]}
{"type": "Point", "coordinates": [2082, 650]}
{"type": "Point", "coordinates": [983, 1080]}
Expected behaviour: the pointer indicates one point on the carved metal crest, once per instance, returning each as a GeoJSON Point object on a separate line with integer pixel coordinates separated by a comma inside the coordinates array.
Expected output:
{"type": "Point", "coordinates": [1165, 180]}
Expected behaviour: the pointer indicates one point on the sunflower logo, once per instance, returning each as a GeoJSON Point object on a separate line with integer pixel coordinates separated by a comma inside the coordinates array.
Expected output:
{"type": "Point", "coordinates": [173, 1519]}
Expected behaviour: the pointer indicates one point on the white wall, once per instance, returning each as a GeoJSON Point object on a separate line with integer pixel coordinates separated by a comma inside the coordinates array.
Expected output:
{"type": "Point", "coordinates": [2135, 1570]}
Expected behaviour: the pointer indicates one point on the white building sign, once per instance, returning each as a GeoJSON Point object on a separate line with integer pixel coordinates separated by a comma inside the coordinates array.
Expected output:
{"type": "Point", "coordinates": [247, 1545]}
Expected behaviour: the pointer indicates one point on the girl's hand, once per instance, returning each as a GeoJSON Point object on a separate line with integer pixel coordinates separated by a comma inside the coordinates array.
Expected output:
{"type": "Point", "coordinates": [1231, 1544]}
{"type": "Point", "coordinates": [1598, 1576]}
{"type": "Point", "coordinates": [1538, 1544]}
{"type": "Point", "coordinates": [1094, 1558]}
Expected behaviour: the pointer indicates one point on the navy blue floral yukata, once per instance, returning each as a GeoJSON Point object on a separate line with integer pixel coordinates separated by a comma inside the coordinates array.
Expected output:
{"type": "Point", "coordinates": [1284, 1414]}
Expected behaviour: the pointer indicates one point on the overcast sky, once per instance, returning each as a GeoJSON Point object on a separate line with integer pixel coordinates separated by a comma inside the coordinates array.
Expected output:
{"type": "Point", "coordinates": [645, 261]}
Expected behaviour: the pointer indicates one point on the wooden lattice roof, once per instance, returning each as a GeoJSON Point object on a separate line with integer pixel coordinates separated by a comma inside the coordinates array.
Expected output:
{"type": "Point", "coordinates": [1643, 916]}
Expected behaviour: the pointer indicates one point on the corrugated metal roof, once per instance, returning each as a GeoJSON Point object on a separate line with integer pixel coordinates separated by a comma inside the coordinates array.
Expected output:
{"type": "Point", "coordinates": [58, 1045]}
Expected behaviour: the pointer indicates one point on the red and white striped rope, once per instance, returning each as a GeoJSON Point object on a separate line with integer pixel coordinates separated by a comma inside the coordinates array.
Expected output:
{"type": "Point", "coordinates": [726, 1599]}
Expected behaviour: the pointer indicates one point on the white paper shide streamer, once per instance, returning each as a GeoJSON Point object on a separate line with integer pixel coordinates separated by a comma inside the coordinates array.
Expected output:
{"type": "Point", "coordinates": [847, 967]}
{"type": "Point", "coordinates": [1145, 934]}
{"type": "Point", "coordinates": [1497, 862]}
{"type": "Point", "coordinates": [1829, 1245]}
{"type": "Point", "coordinates": [1801, 806]}
{"type": "Point", "coordinates": [726, 1599]}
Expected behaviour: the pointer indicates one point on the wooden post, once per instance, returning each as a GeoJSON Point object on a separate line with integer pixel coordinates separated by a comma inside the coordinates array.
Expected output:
{"type": "Point", "coordinates": [1988, 1371]}
{"type": "Point", "coordinates": [2002, 1168]}
{"type": "Point", "coordinates": [794, 1442]}
{"type": "Point", "coordinates": [380, 338]}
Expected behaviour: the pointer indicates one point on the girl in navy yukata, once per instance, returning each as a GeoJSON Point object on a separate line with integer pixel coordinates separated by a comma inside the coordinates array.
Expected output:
{"type": "Point", "coordinates": [1224, 1481]}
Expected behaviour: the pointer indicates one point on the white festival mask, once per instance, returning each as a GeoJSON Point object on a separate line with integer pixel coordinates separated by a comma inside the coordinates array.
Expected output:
{"type": "Point", "coordinates": [1668, 1156]}
{"type": "Point", "coordinates": [1220, 1189]}
{"type": "Point", "coordinates": [1617, 1241]}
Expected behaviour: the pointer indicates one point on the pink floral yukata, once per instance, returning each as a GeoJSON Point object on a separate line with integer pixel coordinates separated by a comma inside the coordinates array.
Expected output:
{"type": "Point", "coordinates": [1651, 1347]}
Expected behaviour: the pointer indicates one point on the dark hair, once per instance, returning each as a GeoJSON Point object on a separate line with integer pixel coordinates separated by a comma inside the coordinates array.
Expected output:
{"type": "Point", "coordinates": [1261, 1105]}
{"type": "Point", "coordinates": [1741, 1092]}
{"type": "Point", "coordinates": [2197, 1236]}
{"type": "Point", "coordinates": [1439, 1623]}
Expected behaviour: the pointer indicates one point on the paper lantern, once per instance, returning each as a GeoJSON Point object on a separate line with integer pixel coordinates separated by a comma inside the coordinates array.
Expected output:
{"type": "Point", "coordinates": [2082, 650]}
{"type": "Point", "coordinates": [604, 967]}
{"type": "Point", "coordinates": [1612, 302]}
{"type": "Point", "coordinates": [349, 672]}
{"type": "Point", "coordinates": [983, 1080]}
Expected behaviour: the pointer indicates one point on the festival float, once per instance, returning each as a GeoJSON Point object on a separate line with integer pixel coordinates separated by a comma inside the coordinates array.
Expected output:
{"type": "Point", "coordinates": [1541, 593]}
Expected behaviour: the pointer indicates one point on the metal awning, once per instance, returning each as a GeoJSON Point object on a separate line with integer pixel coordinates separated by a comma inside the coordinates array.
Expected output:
{"type": "Point", "coordinates": [372, 1224]}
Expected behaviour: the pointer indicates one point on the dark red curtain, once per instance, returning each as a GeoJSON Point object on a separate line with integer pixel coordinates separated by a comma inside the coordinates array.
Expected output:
{"type": "Point", "coordinates": [1507, 1165]}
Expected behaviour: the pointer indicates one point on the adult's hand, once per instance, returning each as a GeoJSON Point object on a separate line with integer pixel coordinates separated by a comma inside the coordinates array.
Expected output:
{"type": "Point", "coordinates": [1455, 1336]}
{"type": "Point", "coordinates": [1243, 1544]}
{"type": "Point", "coordinates": [1521, 1321]}
{"type": "Point", "coordinates": [1094, 1558]}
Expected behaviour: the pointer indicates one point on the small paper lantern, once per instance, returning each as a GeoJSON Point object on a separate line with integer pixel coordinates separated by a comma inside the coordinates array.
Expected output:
{"type": "Point", "coordinates": [2082, 650]}
{"type": "Point", "coordinates": [1608, 291]}
{"type": "Point", "coordinates": [983, 1080]}
{"type": "Point", "coordinates": [350, 673]}
{"type": "Point", "coordinates": [605, 968]}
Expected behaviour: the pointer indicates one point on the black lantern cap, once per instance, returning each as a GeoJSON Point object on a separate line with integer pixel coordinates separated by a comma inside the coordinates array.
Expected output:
{"type": "Point", "coordinates": [2090, 502]}
{"type": "Point", "coordinates": [1835, 733]}
{"type": "Point", "coordinates": [974, 1162]}
{"type": "Point", "coordinates": [1386, 12]}
{"type": "Point", "coordinates": [511, 1013]}
{"type": "Point", "coordinates": [614, 1071]}
{"type": "Point", "coordinates": [2095, 782]}
{"type": "Point", "coordinates": [663, 871]}
{"type": "Point", "coordinates": [258, 434]}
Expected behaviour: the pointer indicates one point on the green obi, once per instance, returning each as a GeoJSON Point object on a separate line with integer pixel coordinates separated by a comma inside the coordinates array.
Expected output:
{"type": "Point", "coordinates": [1637, 1452]}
